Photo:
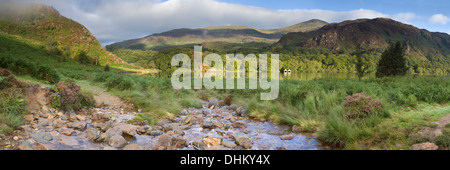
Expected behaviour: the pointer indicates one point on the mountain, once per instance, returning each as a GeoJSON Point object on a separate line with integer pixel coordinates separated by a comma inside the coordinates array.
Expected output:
{"type": "Point", "coordinates": [366, 34]}
{"type": "Point", "coordinates": [42, 25]}
{"type": "Point", "coordinates": [228, 34]}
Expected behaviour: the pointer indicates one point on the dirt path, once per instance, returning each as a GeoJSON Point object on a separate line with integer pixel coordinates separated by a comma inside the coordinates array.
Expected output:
{"type": "Point", "coordinates": [105, 99]}
{"type": "Point", "coordinates": [433, 132]}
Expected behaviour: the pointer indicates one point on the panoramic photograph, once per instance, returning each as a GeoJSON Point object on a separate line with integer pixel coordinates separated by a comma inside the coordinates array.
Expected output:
{"type": "Point", "coordinates": [224, 75]}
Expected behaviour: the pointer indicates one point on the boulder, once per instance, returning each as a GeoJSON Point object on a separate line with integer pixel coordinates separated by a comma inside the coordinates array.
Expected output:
{"type": "Point", "coordinates": [239, 124]}
{"type": "Point", "coordinates": [133, 147]}
{"type": "Point", "coordinates": [199, 145]}
{"type": "Point", "coordinates": [212, 141]}
{"type": "Point", "coordinates": [229, 144]}
{"type": "Point", "coordinates": [287, 137]}
{"type": "Point", "coordinates": [109, 133]}
{"type": "Point", "coordinates": [213, 102]}
{"type": "Point", "coordinates": [42, 137]}
{"type": "Point", "coordinates": [128, 129]}
{"type": "Point", "coordinates": [102, 126]}
{"type": "Point", "coordinates": [186, 120]}
{"type": "Point", "coordinates": [92, 134]}
{"type": "Point", "coordinates": [68, 132]}
{"type": "Point", "coordinates": [67, 140]}
{"type": "Point", "coordinates": [243, 141]}
{"type": "Point", "coordinates": [164, 143]}
{"type": "Point", "coordinates": [77, 125]}
{"type": "Point", "coordinates": [28, 117]}
{"type": "Point", "coordinates": [116, 141]}
{"type": "Point", "coordinates": [207, 123]}
{"type": "Point", "coordinates": [179, 142]}
{"type": "Point", "coordinates": [424, 146]}
{"type": "Point", "coordinates": [296, 129]}
{"type": "Point", "coordinates": [155, 132]}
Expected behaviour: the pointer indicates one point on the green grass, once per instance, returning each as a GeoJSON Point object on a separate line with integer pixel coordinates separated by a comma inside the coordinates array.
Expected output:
{"type": "Point", "coordinates": [317, 106]}
{"type": "Point", "coordinates": [12, 108]}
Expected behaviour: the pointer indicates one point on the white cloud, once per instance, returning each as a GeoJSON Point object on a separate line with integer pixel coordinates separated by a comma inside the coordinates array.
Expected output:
{"type": "Point", "coordinates": [117, 20]}
{"type": "Point", "coordinates": [405, 17]}
{"type": "Point", "coordinates": [439, 19]}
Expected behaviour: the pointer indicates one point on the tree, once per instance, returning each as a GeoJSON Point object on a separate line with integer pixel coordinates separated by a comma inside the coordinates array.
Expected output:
{"type": "Point", "coordinates": [83, 58]}
{"type": "Point", "coordinates": [107, 68]}
{"type": "Point", "coordinates": [392, 62]}
{"type": "Point", "coordinates": [361, 66]}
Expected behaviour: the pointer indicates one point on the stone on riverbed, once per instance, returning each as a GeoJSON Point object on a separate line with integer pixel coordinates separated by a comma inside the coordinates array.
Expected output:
{"type": "Point", "coordinates": [287, 137]}
{"type": "Point", "coordinates": [212, 141]}
{"type": "Point", "coordinates": [133, 147]}
{"type": "Point", "coordinates": [199, 145]}
{"type": "Point", "coordinates": [67, 140]}
{"type": "Point", "coordinates": [42, 137]}
{"type": "Point", "coordinates": [109, 133]}
{"type": "Point", "coordinates": [207, 123]}
{"type": "Point", "coordinates": [117, 141]}
{"type": "Point", "coordinates": [92, 134]}
{"type": "Point", "coordinates": [155, 132]}
{"type": "Point", "coordinates": [77, 125]}
{"type": "Point", "coordinates": [243, 141]}
{"type": "Point", "coordinates": [239, 124]}
{"type": "Point", "coordinates": [127, 129]}
{"type": "Point", "coordinates": [229, 144]}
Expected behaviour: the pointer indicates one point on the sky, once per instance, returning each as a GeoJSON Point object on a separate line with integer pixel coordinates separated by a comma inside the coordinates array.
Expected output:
{"type": "Point", "coordinates": [117, 20]}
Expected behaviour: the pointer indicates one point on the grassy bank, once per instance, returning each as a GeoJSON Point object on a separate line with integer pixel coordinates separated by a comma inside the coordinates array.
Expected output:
{"type": "Point", "coordinates": [317, 106]}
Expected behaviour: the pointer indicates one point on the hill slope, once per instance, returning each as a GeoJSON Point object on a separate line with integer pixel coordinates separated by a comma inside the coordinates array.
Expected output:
{"type": "Point", "coordinates": [59, 36]}
{"type": "Point", "coordinates": [424, 49]}
{"type": "Point", "coordinates": [370, 34]}
{"type": "Point", "coordinates": [229, 34]}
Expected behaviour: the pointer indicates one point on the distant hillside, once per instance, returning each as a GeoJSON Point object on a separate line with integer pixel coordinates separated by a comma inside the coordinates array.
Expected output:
{"type": "Point", "coordinates": [427, 52]}
{"type": "Point", "coordinates": [371, 34]}
{"type": "Point", "coordinates": [228, 34]}
{"type": "Point", "coordinates": [58, 35]}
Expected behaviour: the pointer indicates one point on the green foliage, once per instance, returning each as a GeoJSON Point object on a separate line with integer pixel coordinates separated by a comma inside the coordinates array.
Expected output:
{"type": "Point", "coordinates": [107, 68]}
{"type": "Point", "coordinates": [69, 97]}
{"type": "Point", "coordinates": [12, 108]}
{"type": "Point", "coordinates": [83, 58]}
{"type": "Point", "coordinates": [21, 66]}
{"type": "Point", "coordinates": [359, 105]}
{"type": "Point", "coordinates": [392, 62]}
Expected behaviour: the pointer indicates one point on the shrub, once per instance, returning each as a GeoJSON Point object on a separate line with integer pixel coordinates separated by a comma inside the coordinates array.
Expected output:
{"type": "Point", "coordinates": [12, 107]}
{"type": "Point", "coordinates": [83, 58]}
{"type": "Point", "coordinates": [107, 68]}
{"type": "Point", "coordinates": [360, 105]}
{"type": "Point", "coordinates": [69, 97]}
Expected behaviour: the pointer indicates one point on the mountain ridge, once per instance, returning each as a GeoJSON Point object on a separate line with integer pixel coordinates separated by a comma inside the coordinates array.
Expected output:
{"type": "Point", "coordinates": [231, 34]}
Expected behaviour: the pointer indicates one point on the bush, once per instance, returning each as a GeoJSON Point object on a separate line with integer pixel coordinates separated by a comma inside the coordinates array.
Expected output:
{"type": "Point", "coordinates": [69, 97]}
{"type": "Point", "coordinates": [12, 107]}
{"type": "Point", "coordinates": [359, 105]}
{"type": "Point", "coordinates": [107, 68]}
{"type": "Point", "coordinates": [83, 58]}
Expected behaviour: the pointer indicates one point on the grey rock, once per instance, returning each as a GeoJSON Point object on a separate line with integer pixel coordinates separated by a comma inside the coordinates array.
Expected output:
{"type": "Point", "coordinates": [155, 132]}
{"type": "Point", "coordinates": [109, 133]}
{"type": "Point", "coordinates": [133, 147]}
{"type": "Point", "coordinates": [93, 134]}
{"type": "Point", "coordinates": [213, 102]}
{"type": "Point", "coordinates": [229, 144]}
{"type": "Point", "coordinates": [424, 146]}
{"type": "Point", "coordinates": [243, 141]}
{"type": "Point", "coordinates": [287, 137]}
{"type": "Point", "coordinates": [208, 123]}
{"type": "Point", "coordinates": [116, 141]}
{"type": "Point", "coordinates": [199, 145]}
{"type": "Point", "coordinates": [42, 137]}
{"type": "Point", "coordinates": [67, 140]}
